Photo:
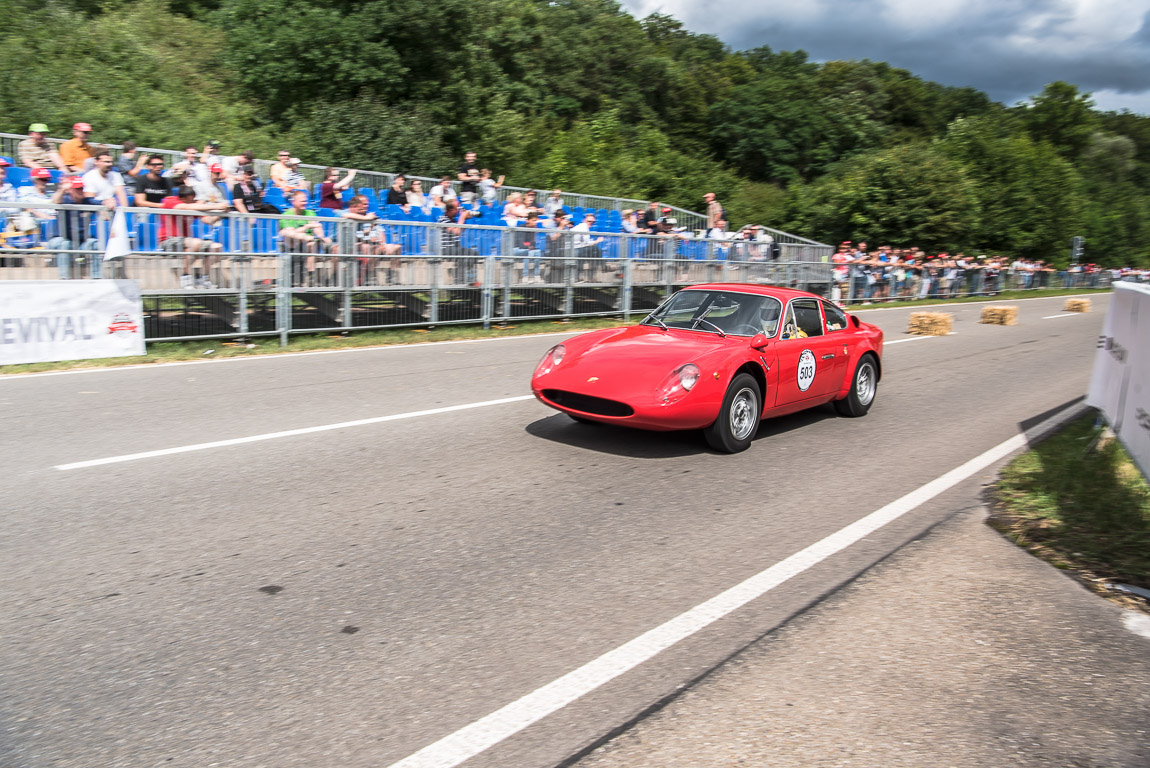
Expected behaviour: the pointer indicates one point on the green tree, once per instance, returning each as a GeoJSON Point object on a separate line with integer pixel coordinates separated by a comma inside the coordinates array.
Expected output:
{"type": "Point", "coordinates": [912, 195]}
{"type": "Point", "coordinates": [1062, 117]}
{"type": "Point", "coordinates": [1031, 199]}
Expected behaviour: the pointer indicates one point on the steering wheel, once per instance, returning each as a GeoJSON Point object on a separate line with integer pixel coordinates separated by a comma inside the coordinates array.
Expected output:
{"type": "Point", "coordinates": [754, 329]}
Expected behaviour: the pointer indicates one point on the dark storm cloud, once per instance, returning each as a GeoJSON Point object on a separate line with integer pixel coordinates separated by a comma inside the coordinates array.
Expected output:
{"type": "Point", "coordinates": [1010, 49]}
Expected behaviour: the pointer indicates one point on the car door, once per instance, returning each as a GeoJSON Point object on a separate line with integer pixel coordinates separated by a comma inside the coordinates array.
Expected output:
{"type": "Point", "coordinates": [840, 339]}
{"type": "Point", "coordinates": [810, 360]}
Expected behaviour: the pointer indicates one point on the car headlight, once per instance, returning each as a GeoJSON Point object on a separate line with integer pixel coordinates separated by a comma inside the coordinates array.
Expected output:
{"type": "Point", "coordinates": [678, 383]}
{"type": "Point", "coordinates": [551, 359]}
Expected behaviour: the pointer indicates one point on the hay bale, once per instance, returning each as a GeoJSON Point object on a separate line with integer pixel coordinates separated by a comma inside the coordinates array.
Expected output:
{"type": "Point", "coordinates": [999, 316]}
{"type": "Point", "coordinates": [930, 323]}
{"type": "Point", "coordinates": [1076, 305]}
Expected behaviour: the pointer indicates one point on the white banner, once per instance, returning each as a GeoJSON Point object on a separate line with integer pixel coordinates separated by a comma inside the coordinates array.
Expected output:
{"type": "Point", "coordinates": [46, 320]}
{"type": "Point", "coordinates": [1120, 384]}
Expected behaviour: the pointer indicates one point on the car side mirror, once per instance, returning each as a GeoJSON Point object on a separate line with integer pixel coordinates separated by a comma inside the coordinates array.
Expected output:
{"type": "Point", "coordinates": [855, 321]}
{"type": "Point", "coordinates": [758, 341]}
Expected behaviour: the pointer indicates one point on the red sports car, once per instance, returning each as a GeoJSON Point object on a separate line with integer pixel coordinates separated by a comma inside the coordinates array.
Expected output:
{"type": "Point", "coordinates": [717, 357]}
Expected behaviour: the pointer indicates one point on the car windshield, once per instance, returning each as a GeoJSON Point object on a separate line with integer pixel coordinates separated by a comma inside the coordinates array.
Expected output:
{"type": "Point", "coordinates": [721, 312]}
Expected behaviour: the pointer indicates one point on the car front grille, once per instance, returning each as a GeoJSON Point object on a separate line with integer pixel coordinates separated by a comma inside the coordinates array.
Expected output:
{"type": "Point", "coordinates": [588, 404]}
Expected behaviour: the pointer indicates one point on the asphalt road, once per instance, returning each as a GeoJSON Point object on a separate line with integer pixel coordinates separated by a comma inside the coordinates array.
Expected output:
{"type": "Point", "coordinates": [347, 597]}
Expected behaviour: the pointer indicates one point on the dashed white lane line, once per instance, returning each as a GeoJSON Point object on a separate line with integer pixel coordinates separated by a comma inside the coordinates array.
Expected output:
{"type": "Point", "coordinates": [1068, 314]}
{"type": "Point", "coordinates": [288, 433]}
{"type": "Point", "coordinates": [912, 338]}
{"type": "Point", "coordinates": [518, 715]}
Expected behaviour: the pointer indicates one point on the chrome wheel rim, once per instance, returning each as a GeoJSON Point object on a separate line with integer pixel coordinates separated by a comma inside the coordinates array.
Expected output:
{"type": "Point", "coordinates": [865, 383]}
{"type": "Point", "coordinates": [744, 414]}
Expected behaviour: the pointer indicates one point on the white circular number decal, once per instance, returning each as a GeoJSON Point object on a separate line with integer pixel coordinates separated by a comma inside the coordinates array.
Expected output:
{"type": "Point", "coordinates": [806, 370]}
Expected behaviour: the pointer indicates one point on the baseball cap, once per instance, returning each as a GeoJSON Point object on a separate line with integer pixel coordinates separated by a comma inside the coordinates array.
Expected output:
{"type": "Point", "coordinates": [217, 168]}
{"type": "Point", "coordinates": [5, 161]}
{"type": "Point", "coordinates": [76, 182]}
{"type": "Point", "coordinates": [294, 161]}
{"type": "Point", "coordinates": [82, 127]}
{"type": "Point", "coordinates": [37, 128]}
{"type": "Point", "coordinates": [40, 173]}
{"type": "Point", "coordinates": [214, 143]}
{"type": "Point", "coordinates": [666, 210]}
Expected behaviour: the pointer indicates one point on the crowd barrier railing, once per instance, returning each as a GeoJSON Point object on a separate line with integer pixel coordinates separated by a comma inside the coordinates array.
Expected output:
{"type": "Point", "coordinates": [206, 275]}
{"type": "Point", "coordinates": [928, 282]}
{"type": "Point", "coordinates": [232, 275]}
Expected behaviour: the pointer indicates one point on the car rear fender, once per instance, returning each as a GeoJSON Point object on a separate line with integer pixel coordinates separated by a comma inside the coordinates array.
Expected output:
{"type": "Point", "coordinates": [865, 347]}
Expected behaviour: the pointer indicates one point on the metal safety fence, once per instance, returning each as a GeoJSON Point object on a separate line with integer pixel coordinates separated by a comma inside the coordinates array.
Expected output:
{"type": "Point", "coordinates": [207, 275]}
{"type": "Point", "coordinates": [900, 282]}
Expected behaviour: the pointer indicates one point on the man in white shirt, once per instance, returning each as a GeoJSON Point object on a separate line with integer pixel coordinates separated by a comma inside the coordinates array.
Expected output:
{"type": "Point", "coordinates": [190, 168]}
{"type": "Point", "coordinates": [442, 192]}
{"type": "Point", "coordinates": [553, 203]}
{"type": "Point", "coordinates": [586, 247]}
{"type": "Point", "coordinates": [208, 191]}
{"type": "Point", "coordinates": [104, 185]}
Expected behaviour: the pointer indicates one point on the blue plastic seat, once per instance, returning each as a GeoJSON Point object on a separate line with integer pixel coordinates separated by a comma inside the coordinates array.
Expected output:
{"type": "Point", "coordinates": [19, 177]}
{"type": "Point", "coordinates": [273, 195]}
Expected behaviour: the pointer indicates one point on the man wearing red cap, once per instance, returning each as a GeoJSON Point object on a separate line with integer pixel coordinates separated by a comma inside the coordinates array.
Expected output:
{"type": "Point", "coordinates": [76, 152]}
{"type": "Point", "coordinates": [208, 189]}
{"type": "Point", "coordinates": [38, 193]}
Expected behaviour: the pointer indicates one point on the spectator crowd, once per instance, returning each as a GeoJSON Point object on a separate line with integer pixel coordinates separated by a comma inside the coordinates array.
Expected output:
{"type": "Point", "coordinates": [207, 185]}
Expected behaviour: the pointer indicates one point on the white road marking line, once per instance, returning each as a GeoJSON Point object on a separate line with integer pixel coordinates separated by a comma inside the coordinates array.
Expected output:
{"type": "Point", "coordinates": [1068, 314]}
{"type": "Point", "coordinates": [289, 433]}
{"type": "Point", "coordinates": [277, 356]}
{"type": "Point", "coordinates": [912, 338]}
{"type": "Point", "coordinates": [503, 723]}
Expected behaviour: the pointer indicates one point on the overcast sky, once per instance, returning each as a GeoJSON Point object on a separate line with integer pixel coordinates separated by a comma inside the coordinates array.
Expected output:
{"type": "Point", "coordinates": [1008, 48]}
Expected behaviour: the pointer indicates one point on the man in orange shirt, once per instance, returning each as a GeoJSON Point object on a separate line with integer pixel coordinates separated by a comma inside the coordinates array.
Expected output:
{"type": "Point", "coordinates": [77, 151]}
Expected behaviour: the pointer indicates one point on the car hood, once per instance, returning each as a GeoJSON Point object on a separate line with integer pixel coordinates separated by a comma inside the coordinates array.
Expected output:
{"type": "Point", "coordinates": [623, 363]}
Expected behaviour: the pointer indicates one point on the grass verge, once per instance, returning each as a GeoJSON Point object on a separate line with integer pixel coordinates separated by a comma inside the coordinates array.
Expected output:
{"type": "Point", "coordinates": [1077, 501]}
{"type": "Point", "coordinates": [175, 351]}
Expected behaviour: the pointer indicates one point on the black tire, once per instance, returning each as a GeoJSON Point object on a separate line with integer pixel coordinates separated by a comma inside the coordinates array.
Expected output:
{"type": "Point", "coordinates": [864, 388]}
{"type": "Point", "coordinates": [739, 417]}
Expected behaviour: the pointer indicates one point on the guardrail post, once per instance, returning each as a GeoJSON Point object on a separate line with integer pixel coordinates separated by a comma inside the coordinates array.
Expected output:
{"type": "Point", "coordinates": [508, 274]}
{"type": "Point", "coordinates": [628, 279]}
{"type": "Point", "coordinates": [241, 265]}
{"type": "Point", "coordinates": [347, 270]}
{"type": "Point", "coordinates": [488, 275]}
{"type": "Point", "coordinates": [283, 297]}
{"type": "Point", "coordinates": [433, 313]}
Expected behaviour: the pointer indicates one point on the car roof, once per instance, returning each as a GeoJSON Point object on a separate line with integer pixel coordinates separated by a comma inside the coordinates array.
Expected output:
{"type": "Point", "coordinates": [778, 292]}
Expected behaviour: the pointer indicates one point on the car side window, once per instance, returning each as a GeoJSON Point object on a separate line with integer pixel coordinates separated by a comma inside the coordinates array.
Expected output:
{"type": "Point", "coordinates": [807, 316]}
{"type": "Point", "coordinates": [836, 318]}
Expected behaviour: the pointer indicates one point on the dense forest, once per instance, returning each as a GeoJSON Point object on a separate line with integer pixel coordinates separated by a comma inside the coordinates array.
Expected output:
{"type": "Point", "coordinates": [579, 94]}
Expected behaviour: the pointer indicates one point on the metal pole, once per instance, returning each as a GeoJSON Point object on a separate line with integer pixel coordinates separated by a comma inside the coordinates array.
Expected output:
{"type": "Point", "coordinates": [486, 305]}
{"type": "Point", "coordinates": [283, 297]}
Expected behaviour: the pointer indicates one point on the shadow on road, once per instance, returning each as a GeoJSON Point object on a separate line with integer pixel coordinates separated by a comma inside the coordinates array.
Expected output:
{"type": "Point", "coordinates": [641, 444]}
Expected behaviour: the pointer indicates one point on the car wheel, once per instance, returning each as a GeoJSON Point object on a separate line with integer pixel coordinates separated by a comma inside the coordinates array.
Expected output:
{"type": "Point", "coordinates": [864, 387]}
{"type": "Point", "coordinates": [738, 418]}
